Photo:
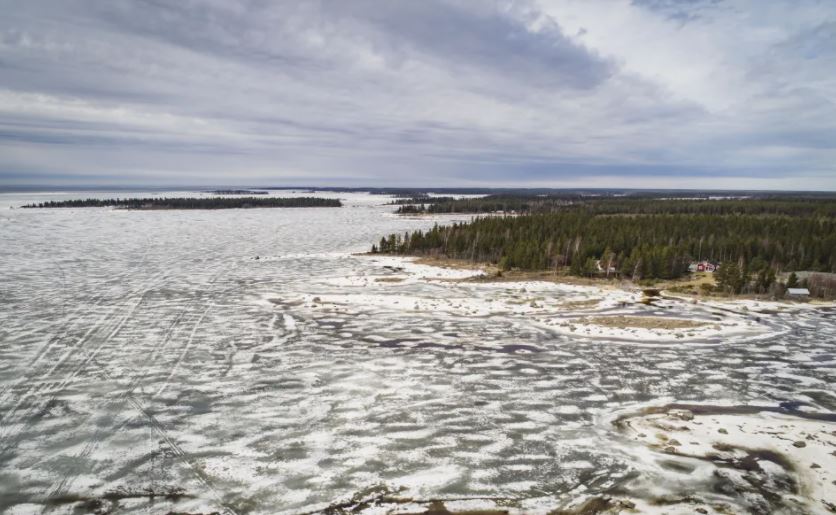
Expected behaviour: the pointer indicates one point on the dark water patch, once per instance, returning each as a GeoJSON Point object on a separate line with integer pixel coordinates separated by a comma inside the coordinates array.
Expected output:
{"type": "Point", "coordinates": [677, 466]}
{"type": "Point", "coordinates": [382, 496]}
{"type": "Point", "coordinates": [109, 501]}
{"type": "Point", "coordinates": [397, 343]}
{"type": "Point", "coordinates": [751, 462]}
{"type": "Point", "coordinates": [518, 348]}
{"type": "Point", "coordinates": [432, 345]}
{"type": "Point", "coordinates": [277, 384]}
{"type": "Point", "coordinates": [135, 464]}
{"type": "Point", "coordinates": [597, 505]}
{"type": "Point", "coordinates": [196, 401]}
{"type": "Point", "coordinates": [292, 452]}
{"type": "Point", "coordinates": [55, 408]}
{"type": "Point", "coordinates": [438, 508]}
{"type": "Point", "coordinates": [825, 399]}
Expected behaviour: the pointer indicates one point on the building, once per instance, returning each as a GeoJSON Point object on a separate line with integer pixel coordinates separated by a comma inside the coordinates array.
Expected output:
{"type": "Point", "coordinates": [703, 266]}
{"type": "Point", "coordinates": [798, 292]}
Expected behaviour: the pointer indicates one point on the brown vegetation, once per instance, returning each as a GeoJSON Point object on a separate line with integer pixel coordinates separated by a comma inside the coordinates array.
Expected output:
{"type": "Point", "coordinates": [624, 322]}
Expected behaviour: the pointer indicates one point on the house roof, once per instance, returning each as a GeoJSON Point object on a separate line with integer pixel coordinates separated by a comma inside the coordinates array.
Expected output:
{"type": "Point", "coordinates": [798, 291]}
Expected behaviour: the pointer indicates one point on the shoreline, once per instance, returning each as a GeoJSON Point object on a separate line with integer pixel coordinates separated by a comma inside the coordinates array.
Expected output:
{"type": "Point", "coordinates": [586, 309]}
{"type": "Point", "coordinates": [668, 288]}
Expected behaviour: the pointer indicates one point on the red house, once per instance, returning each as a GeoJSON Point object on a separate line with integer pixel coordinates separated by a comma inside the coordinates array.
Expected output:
{"type": "Point", "coordinates": [703, 266]}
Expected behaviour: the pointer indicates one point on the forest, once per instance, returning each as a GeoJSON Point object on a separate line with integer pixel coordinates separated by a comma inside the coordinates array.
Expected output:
{"type": "Point", "coordinates": [192, 203]}
{"type": "Point", "coordinates": [642, 238]}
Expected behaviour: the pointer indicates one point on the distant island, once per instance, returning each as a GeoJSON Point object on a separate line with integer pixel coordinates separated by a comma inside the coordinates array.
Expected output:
{"type": "Point", "coordinates": [239, 192]}
{"type": "Point", "coordinates": [192, 203]}
{"type": "Point", "coordinates": [419, 199]}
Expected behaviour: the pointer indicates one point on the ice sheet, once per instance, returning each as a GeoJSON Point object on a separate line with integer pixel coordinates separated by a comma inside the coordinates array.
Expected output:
{"type": "Point", "coordinates": [152, 352]}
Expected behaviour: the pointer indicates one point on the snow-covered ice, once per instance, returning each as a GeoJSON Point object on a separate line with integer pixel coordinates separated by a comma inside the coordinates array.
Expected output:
{"type": "Point", "coordinates": [150, 351]}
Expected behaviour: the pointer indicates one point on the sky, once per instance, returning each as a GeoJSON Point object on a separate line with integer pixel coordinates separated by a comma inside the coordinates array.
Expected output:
{"type": "Point", "coordinates": [529, 93]}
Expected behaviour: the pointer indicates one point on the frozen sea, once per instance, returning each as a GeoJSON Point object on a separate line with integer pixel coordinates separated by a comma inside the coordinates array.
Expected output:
{"type": "Point", "coordinates": [149, 362]}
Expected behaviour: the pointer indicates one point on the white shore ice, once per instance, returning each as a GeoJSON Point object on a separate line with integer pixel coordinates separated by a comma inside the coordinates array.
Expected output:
{"type": "Point", "coordinates": [722, 459]}
{"type": "Point", "coordinates": [579, 311]}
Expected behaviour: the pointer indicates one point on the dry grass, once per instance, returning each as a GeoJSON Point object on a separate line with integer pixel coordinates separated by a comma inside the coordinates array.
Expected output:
{"type": "Point", "coordinates": [389, 279]}
{"type": "Point", "coordinates": [580, 304]}
{"type": "Point", "coordinates": [626, 322]}
{"type": "Point", "coordinates": [693, 282]}
{"type": "Point", "coordinates": [492, 273]}
{"type": "Point", "coordinates": [455, 264]}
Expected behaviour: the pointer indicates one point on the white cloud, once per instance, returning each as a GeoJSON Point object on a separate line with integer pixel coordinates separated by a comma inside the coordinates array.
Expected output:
{"type": "Point", "coordinates": [444, 90]}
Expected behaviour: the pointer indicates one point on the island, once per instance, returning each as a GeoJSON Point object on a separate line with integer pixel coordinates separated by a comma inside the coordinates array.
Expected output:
{"type": "Point", "coordinates": [192, 203]}
{"type": "Point", "coordinates": [239, 192]}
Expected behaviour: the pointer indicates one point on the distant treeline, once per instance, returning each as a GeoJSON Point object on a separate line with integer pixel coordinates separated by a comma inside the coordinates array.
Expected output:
{"type": "Point", "coordinates": [641, 238]}
{"type": "Point", "coordinates": [192, 203]}
{"type": "Point", "coordinates": [488, 204]}
{"type": "Point", "coordinates": [239, 192]}
{"type": "Point", "coordinates": [421, 200]}
{"type": "Point", "coordinates": [636, 205]}
{"type": "Point", "coordinates": [792, 207]}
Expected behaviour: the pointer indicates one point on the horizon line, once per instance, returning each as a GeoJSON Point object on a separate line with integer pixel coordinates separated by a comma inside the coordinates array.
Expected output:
{"type": "Point", "coordinates": [204, 188]}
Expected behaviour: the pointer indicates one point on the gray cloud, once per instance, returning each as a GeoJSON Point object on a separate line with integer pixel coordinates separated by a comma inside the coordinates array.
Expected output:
{"type": "Point", "coordinates": [430, 92]}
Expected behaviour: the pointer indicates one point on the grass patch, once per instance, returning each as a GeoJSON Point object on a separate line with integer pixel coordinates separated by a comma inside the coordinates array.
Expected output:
{"type": "Point", "coordinates": [630, 322]}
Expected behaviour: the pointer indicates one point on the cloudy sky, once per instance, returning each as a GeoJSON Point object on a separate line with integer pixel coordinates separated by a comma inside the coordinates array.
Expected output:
{"type": "Point", "coordinates": [563, 93]}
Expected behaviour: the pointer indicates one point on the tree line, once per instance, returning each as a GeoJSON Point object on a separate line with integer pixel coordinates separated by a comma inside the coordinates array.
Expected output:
{"type": "Point", "coordinates": [636, 205]}
{"type": "Point", "coordinates": [420, 200]}
{"type": "Point", "coordinates": [487, 204]}
{"type": "Point", "coordinates": [239, 192]}
{"type": "Point", "coordinates": [192, 203]}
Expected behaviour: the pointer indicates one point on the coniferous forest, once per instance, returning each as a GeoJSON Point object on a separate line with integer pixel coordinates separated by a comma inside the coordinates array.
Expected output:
{"type": "Point", "coordinates": [642, 238]}
{"type": "Point", "coordinates": [192, 203]}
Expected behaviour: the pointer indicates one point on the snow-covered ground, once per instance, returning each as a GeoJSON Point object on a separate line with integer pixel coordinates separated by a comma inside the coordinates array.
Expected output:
{"type": "Point", "coordinates": [152, 352]}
